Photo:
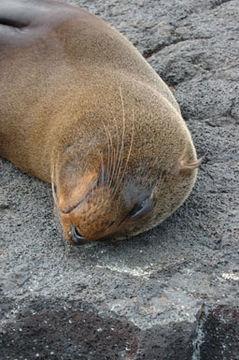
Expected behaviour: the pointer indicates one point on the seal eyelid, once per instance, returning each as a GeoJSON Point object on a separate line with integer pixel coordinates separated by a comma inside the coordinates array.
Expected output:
{"type": "Point", "coordinates": [142, 209]}
{"type": "Point", "coordinates": [12, 23]}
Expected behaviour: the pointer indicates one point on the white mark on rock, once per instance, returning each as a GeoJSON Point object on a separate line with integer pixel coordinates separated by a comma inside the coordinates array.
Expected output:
{"type": "Point", "coordinates": [230, 276]}
{"type": "Point", "coordinates": [137, 271]}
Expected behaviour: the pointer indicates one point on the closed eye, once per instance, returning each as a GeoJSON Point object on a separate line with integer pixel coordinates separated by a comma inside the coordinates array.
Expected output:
{"type": "Point", "coordinates": [141, 209]}
{"type": "Point", "coordinates": [12, 23]}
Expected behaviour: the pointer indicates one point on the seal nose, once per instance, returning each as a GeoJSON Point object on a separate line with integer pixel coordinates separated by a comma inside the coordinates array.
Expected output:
{"type": "Point", "coordinates": [76, 238]}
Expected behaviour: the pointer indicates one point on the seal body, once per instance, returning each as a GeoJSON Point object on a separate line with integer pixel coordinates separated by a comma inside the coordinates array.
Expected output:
{"type": "Point", "coordinates": [81, 109]}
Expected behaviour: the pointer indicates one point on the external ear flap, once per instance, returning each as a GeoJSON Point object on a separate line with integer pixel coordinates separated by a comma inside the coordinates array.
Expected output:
{"type": "Point", "coordinates": [188, 168]}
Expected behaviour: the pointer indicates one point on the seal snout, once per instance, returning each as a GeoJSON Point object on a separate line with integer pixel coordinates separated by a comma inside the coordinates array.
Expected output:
{"type": "Point", "coordinates": [93, 218]}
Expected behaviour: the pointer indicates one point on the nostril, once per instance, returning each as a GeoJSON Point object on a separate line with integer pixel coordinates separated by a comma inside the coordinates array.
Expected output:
{"type": "Point", "coordinates": [77, 239]}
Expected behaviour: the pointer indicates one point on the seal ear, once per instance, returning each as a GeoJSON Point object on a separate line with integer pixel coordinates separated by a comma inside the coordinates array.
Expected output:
{"type": "Point", "coordinates": [188, 168]}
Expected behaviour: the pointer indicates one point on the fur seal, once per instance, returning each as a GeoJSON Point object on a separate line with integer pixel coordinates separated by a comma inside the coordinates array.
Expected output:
{"type": "Point", "coordinates": [81, 109]}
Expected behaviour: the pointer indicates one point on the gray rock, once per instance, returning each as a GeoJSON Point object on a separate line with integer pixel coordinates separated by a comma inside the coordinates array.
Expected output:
{"type": "Point", "coordinates": [168, 294]}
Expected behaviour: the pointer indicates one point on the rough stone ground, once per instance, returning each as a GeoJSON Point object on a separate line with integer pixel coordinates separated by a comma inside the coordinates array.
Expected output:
{"type": "Point", "coordinates": [169, 294]}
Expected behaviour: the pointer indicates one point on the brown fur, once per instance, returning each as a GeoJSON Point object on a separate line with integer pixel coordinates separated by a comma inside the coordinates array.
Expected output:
{"type": "Point", "coordinates": [80, 108]}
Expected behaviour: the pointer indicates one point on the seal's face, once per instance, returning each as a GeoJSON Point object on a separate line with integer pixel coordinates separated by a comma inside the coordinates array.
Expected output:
{"type": "Point", "coordinates": [126, 171]}
{"type": "Point", "coordinates": [104, 213]}
{"type": "Point", "coordinates": [99, 206]}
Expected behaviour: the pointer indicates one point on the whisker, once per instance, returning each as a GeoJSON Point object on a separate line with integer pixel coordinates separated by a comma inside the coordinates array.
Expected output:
{"type": "Point", "coordinates": [102, 171]}
{"type": "Point", "coordinates": [121, 151]}
{"type": "Point", "coordinates": [111, 158]}
{"type": "Point", "coordinates": [55, 201]}
{"type": "Point", "coordinates": [109, 162]}
{"type": "Point", "coordinates": [115, 153]}
{"type": "Point", "coordinates": [108, 150]}
{"type": "Point", "coordinates": [128, 156]}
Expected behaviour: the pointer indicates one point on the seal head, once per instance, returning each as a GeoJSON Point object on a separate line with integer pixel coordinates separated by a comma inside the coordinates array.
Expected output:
{"type": "Point", "coordinates": [135, 179]}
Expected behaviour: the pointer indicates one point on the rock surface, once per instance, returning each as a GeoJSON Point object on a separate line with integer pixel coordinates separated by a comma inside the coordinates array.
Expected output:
{"type": "Point", "coordinates": [171, 293]}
